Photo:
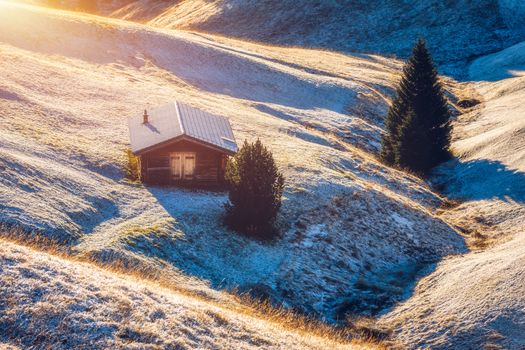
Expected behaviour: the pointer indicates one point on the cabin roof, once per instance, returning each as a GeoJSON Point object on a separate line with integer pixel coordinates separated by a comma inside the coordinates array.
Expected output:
{"type": "Point", "coordinates": [179, 120]}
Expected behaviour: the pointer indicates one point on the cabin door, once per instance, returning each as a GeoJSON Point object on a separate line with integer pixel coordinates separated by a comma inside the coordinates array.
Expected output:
{"type": "Point", "coordinates": [189, 166]}
{"type": "Point", "coordinates": [176, 166]}
{"type": "Point", "coordinates": [182, 166]}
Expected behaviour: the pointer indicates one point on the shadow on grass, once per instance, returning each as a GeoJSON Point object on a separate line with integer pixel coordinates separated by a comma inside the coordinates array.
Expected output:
{"type": "Point", "coordinates": [205, 247]}
{"type": "Point", "coordinates": [209, 251]}
{"type": "Point", "coordinates": [481, 180]}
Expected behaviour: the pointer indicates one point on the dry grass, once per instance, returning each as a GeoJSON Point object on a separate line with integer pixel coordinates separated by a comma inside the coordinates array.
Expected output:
{"type": "Point", "coordinates": [295, 88]}
{"type": "Point", "coordinates": [358, 333]}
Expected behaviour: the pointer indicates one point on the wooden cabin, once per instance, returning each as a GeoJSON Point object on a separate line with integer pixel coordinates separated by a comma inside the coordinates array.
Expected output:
{"type": "Point", "coordinates": [178, 144]}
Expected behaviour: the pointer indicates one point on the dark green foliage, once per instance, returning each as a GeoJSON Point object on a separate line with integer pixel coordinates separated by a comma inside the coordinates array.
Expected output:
{"type": "Point", "coordinates": [394, 119]}
{"type": "Point", "coordinates": [412, 148]}
{"type": "Point", "coordinates": [255, 190]}
{"type": "Point", "coordinates": [417, 126]}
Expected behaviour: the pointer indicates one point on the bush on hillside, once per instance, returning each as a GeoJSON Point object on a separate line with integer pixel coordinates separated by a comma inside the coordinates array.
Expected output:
{"type": "Point", "coordinates": [255, 191]}
{"type": "Point", "coordinates": [132, 166]}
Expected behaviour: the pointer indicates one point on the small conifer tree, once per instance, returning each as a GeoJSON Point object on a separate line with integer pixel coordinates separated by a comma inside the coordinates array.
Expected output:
{"type": "Point", "coordinates": [255, 190]}
{"type": "Point", "coordinates": [419, 112]}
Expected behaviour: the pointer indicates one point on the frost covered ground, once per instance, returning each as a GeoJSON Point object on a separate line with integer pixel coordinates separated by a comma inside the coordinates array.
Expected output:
{"type": "Point", "coordinates": [457, 30]}
{"type": "Point", "coordinates": [477, 300]}
{"type": "Point", "coordinates": [471, 302]}
{"type": "Point", "coordinates": [48, 302]}
{"type": "Point", "coordinates": [355, 233]}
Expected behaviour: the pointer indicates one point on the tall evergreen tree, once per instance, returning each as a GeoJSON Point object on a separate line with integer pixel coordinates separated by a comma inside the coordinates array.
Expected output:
{"type": "Point", "coordinates": [412, 148]}
{"type": "Point", "coordinates": [417, 126]}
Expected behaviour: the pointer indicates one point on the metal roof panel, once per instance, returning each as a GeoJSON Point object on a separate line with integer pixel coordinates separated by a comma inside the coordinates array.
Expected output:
{"type": "Point", "coordinates": [176, 119]}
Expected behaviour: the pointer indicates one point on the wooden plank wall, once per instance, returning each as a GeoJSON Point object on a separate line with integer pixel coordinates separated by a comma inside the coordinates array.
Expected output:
{"type": "Point", "coordinates": [209, 165]}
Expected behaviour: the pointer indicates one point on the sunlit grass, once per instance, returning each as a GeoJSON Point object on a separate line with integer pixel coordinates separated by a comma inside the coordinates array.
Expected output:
{"type": "Point", "coordinates": [259, 312]}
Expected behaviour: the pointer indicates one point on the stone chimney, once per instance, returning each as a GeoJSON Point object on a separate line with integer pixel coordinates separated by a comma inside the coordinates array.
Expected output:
{"type": "Point", "coordinates": [145, 117]}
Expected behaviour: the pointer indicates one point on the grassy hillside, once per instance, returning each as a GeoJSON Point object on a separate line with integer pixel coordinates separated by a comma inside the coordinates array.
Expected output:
{"type": "Point", "coordinates": [51, 302]}
{"type": "Point", "coordinates": [477, 300]}
{"type": "Point", "coordinates": [457, 30]}
{"type": "Point", "coordinates": [469, 302]}
{"type": "Point", "coordinates": [354, 233]}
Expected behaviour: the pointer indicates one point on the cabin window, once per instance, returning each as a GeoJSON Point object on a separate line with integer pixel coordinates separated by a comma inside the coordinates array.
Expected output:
{"type": "Point", "coordinates": [158, 163]}
{"type": "Point", "coordinates": [182, 166]}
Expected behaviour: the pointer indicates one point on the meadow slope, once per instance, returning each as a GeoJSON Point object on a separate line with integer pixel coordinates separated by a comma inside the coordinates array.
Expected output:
{"type": "Point", "coordinates": [383, 26]}
{"type": "Point", "coordinates": [355, 234]}
{"type": "Point", "coordinates": [49, 302]}
{"type": "Point", "coordinates": [477, 300]}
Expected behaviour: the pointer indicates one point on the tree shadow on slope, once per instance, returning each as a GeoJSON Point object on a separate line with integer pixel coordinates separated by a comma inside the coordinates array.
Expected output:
{"type": "Point", "coordinates": [361, 274]}
{"type": "Point", "coordinates": [481, 180]}
{"type": "Point", "coordinates": [206, 248]}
